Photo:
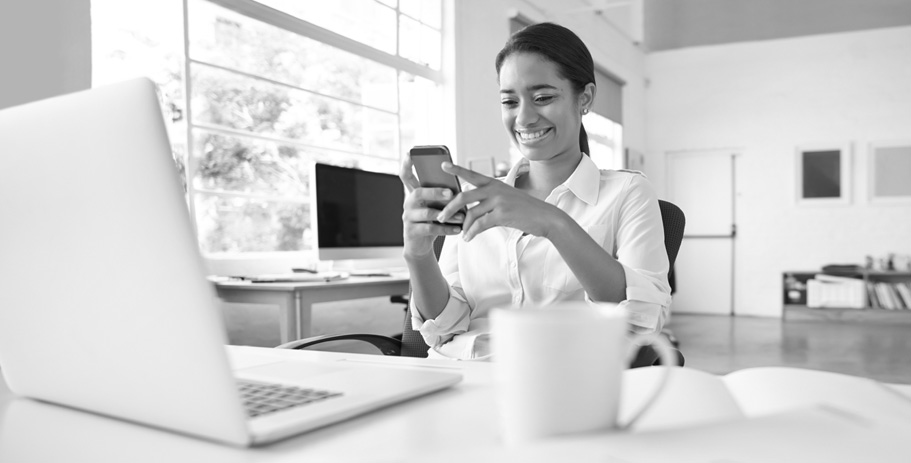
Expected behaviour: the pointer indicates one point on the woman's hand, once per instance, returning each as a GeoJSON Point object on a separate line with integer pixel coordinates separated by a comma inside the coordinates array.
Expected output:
{"type": "Point", "coordinates": [498, 204]}
{"type": "Point", "coordinates": [418, 217]}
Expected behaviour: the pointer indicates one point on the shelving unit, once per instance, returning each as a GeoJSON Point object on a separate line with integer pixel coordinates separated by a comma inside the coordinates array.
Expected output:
{"type": "Point", "coordinates": [795, 308]}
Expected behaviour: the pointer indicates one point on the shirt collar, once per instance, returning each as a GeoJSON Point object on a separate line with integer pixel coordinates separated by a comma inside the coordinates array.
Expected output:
{"type": "Point", "coordinates": [585, 181]}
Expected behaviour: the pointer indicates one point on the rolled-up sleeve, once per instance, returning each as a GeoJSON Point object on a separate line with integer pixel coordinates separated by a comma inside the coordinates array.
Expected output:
{"type": "Point", "coordinates": [641, 251]}
{"type": "Point", "coordinates": [456, 316]}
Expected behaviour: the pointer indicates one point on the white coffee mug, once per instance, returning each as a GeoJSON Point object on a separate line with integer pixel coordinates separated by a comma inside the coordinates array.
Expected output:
{"type": "Point", "coordinates": [558, 369]}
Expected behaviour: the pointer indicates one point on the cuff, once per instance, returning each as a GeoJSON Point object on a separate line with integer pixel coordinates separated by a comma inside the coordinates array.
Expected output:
{"type": "Point", "coordinates": [452, 320]}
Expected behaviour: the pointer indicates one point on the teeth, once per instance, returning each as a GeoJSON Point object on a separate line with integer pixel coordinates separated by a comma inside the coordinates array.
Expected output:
{"type": "Point", "coordinates": [531, 135]}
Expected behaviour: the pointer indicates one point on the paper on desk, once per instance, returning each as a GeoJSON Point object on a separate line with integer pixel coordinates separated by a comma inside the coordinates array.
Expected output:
{"type": "Point", "coordinates": [815, 434]}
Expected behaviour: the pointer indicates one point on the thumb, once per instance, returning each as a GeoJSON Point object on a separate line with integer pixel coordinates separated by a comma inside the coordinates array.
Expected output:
{"type": "Point", "coordinates": [406, 173]}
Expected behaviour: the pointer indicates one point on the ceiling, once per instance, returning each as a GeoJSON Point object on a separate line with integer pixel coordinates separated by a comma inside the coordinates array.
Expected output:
{"type": "Point", "coordinates": [672, 24]}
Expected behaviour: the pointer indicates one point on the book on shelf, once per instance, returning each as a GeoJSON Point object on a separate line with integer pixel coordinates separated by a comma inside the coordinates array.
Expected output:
{"type": "Point", "coordinates": [890, 296]}
{"type": "Point", "coordinates": [872, 297]}
{"type": "Point", "coordinates": [904, 291]}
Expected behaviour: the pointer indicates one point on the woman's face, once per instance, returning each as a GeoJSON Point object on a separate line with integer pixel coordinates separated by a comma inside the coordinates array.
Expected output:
{"type": "Point", "coordinates": [539, 108]}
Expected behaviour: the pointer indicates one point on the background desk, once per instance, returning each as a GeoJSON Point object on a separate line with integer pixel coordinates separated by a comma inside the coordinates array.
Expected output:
{"type": "Point", "coordinates": [295, 300]}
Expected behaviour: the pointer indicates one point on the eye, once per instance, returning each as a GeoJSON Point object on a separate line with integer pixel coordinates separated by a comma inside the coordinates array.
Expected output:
{"type": "Point", "coordinates": [544, 99]}
{"type": "Point", "coordinates": [508, 103]}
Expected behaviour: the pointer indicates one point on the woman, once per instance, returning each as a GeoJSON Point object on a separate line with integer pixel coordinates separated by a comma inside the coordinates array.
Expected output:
{"type": "Point", "coordinates": [555, 228]}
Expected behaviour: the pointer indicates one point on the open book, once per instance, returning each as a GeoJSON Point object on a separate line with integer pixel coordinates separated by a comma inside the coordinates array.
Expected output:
{"type": "Point", "coordinates": [696, 397]}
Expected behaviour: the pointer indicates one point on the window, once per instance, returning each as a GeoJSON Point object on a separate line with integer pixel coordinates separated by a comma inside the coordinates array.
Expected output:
{"type": "Point", "coordinates": [257, 92]}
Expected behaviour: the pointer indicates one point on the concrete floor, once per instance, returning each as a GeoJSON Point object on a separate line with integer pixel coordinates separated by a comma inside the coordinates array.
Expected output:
{"type": "Point", "coordinates": [722, 344]}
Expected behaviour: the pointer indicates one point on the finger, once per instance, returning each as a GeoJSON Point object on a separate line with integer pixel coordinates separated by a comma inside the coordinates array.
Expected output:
{"type": "Point", "coordinates": [421, 215]}
{"type": "Point", "coordinates": [461, 202]}
{"type": "Point", "coordinates": [478, 226]}
{"type": "Point", "coordinates": [406, 173]}
{"type": "Point", "coordinates": [423, 197]}
{"type": "Point", "coordinates": [434, 229]}
{"type": "Point", "coordinates": [483, 209]}
{"type": "Point", "coordinates": [467, 175]}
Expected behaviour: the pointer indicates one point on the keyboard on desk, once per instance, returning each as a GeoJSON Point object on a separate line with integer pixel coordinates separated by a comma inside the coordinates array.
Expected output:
{"type": "Point", "coordinates": [262, 398]}
{"type": "Point", "coordinates": [379, 272]}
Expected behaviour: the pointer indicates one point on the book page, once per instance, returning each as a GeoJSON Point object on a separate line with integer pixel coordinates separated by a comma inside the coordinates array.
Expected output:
{"type": "Point", "coordinates": [690, 397]}
{"type": "Point", "coordinates": [816, 434]}
{"type": "Point", "coordinates": [761, 391]}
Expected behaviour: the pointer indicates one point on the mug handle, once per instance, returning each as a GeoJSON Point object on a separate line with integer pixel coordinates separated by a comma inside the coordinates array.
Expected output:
{"type": "Point", "coordinates": [668, 359]}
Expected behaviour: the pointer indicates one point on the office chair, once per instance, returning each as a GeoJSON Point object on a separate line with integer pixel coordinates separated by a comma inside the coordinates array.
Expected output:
{"type": "Point", "coordinates": [412, 343]}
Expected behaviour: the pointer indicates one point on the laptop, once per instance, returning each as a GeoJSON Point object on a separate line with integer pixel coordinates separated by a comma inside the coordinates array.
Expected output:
{"type": "Point", "coordinates": [104, 302]}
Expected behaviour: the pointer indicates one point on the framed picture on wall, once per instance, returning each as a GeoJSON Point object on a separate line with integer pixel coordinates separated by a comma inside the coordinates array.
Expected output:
{"type": "Point", "coordinates": [823, 174]}
{"type": "Point", "coordinates": [889, 167]}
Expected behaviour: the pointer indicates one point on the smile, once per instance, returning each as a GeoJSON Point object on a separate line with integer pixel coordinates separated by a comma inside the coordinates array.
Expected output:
{"type": "Point", "coordinates": [533, 136]}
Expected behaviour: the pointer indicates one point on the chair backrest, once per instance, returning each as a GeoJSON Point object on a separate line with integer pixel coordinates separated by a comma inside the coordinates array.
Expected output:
{"type": "Point", "coordinates": [672, 219]}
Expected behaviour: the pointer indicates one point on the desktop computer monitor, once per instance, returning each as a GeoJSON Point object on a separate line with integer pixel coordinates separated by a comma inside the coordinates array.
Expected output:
{"type": "Point", "coordinates": [358, 214]}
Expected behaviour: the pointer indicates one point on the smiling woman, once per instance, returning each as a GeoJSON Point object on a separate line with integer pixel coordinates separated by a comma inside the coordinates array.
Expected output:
{"type": "Point", "coordinates": [556, 228]}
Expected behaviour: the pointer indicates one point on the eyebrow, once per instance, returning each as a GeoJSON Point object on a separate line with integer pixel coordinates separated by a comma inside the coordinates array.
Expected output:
{"type": "Point", "coordinates": [532, 88]}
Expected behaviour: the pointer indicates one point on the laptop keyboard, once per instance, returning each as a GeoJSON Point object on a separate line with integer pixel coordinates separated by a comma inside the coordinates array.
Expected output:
{"type": "Point", "coordinates": [262, 398]}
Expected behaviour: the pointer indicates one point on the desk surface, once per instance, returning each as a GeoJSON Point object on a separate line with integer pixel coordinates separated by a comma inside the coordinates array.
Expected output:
{"type": "Point", "coordinates": [311, 285]}
{"type": "Point", "coordinates": [458, 424]}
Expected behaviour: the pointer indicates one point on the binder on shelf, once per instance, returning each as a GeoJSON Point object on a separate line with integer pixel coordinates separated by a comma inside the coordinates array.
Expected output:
{"type": "Point", "coordinates": [836, 292]}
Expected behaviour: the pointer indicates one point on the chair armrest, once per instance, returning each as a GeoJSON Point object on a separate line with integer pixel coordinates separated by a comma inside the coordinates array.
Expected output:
{"type": "Point", "coordinates": [386, 345]}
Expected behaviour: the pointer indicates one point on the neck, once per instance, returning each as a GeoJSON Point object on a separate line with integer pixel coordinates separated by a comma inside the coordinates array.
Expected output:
{"type": "Point", "coordinates": [544, 176]}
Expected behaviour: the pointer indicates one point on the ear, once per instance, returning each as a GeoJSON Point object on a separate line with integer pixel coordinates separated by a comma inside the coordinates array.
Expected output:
{"type": "Point", "coordinates": [587, 96]}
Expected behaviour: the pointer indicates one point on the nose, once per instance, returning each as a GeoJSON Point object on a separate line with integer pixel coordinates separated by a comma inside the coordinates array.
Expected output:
{"type": "Point", "coordinates": [527, 114]}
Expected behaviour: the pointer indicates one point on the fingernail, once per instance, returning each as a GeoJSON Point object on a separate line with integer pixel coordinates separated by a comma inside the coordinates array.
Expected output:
{"type": "Point", "coordinates": [455, 229]}
{"type": "Point", "coordinates": [446, 164]}
{"type": "Point", "coordinates": [447, 194]}
{"type": "Point", "coordinates": [466, 237]}
{"type": "Point", "coordinates": [441, 217]}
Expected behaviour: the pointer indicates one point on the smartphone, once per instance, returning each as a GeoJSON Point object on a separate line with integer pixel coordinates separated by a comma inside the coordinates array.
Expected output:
{"type": "Point", "coordinates": [426, 161]}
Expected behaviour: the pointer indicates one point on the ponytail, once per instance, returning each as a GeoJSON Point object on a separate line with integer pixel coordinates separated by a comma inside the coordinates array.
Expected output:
{"type": "Point", "coordinates": [583, 140]}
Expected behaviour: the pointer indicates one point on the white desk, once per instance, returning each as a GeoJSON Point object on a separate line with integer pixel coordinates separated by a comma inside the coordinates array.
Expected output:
{"type": "Point", "coordinates": [295, 300]}
{"type": "Point", "coordinates": [455, 425]}
{"type": "Point", "coordinates": [33, 431]}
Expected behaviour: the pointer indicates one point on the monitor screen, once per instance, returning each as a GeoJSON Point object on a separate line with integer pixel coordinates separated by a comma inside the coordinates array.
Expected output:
{"type": "Point", "coordinates": [358, 213]}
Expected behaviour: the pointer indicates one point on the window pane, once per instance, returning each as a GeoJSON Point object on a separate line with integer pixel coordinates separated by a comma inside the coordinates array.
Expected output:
{"type": "Point", "coordinates": [422, 101]}
{"type": "Point", "coordinates": [366, 21]}
{"type": "Point", "coordinates": [420, 43]}
{"type": "Point", "coordinates": [428, 12]}
{"type": "Point", "coordinates": [232, 225]}
{"type": "Point", "coordinates": [144, 39]}
{"type": "Point", "coordinates": [229, 100]}
{"type": "Point", "coordinates": [604, 141]}
{"type": "Point", "coordinates": [240, 164]}
{"type": "Point", "coordinates": [245, 165]}
{"type": "Point", "coordinates": [220, 36]}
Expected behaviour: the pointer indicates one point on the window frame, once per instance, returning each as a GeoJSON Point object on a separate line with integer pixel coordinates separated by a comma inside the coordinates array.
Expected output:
{"type": "Point", "coordinates": [292, 24]}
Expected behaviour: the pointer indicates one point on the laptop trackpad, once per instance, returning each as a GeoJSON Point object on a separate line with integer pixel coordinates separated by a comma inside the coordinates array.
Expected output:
{"type": "Point", "coordinates": [287, 371]}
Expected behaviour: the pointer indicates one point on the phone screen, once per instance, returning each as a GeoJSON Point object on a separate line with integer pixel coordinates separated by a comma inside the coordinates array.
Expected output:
{"type": "Point", "coordinates": [426, 161]}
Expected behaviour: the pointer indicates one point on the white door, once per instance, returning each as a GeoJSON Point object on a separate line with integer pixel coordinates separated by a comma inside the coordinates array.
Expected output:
{"type": "Point", "coordinates": [701, 183]}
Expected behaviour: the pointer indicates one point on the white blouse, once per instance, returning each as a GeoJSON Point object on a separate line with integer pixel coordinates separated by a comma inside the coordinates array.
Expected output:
{"type": "Point", "coordinates": [500, 267]}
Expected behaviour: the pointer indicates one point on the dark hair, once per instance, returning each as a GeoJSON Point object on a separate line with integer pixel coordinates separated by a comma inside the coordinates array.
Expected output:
{"type": "Point", "coordinates": [560, 46]}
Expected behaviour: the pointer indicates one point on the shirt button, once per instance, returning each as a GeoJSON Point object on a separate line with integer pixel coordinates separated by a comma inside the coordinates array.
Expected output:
{"type": "Point", "coordinates": [515, 265]}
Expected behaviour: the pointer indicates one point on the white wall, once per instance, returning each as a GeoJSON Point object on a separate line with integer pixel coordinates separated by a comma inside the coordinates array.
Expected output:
{"type": "Point", "coordinates": [482, 28]}
{"type": "Point", "coordinates": [45, 49]}
{"type": "Point", "coordinates": [766, 98]}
